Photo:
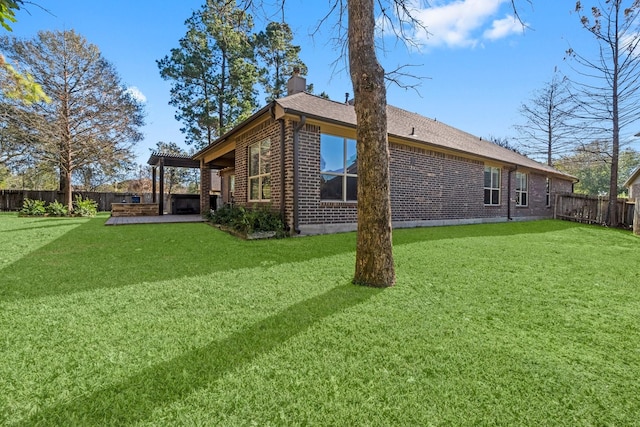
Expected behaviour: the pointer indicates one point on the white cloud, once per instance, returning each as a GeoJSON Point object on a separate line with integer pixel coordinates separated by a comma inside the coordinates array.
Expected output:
{"type": "Point", "coordinates": [503, 27]}
{"type": "Point", "coordinates": [136, 94]}
{"type": "Point", "coordinates": [463, 23]}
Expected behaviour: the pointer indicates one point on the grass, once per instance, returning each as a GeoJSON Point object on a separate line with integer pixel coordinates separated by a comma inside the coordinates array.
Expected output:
{"type": "Point", "coordinates": [181, 324]}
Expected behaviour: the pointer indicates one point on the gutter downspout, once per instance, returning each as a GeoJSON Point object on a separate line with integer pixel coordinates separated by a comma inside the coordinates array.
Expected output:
{"type": "Point", "coordinates": [296, 178]}
{"type": "Point", "coordinates": [511, 170]}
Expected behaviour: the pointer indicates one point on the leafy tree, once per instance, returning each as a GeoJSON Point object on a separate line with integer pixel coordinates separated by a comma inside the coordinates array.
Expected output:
{"type": "Point", "coordinates": [13, 83]}
{"type": "Point", "coordinates": [231, 29]}
{"type": "Point", "coordinates": [7, 12]}
{"type": "Point", "coordinates": [21, 86]}
{"type": "Point", "coordinates": [14, 138]}
{"type": "Point", "coordinates": [547, 132]}
{"type": "Point", "coordinates": [591, 164]}
{"type": "Point", "coordinates": [212, 72]}
{"type": "Point", "coordinates": [139, 180]}
{"type": "Point", "coordinates": [91, 120]}
{"type": "Point", "coordinates": [609, 88]}
{"type": "Point", "coordinates": [94, 176]}
{"type": "Point", "coordinates": [30, 175]}
{"type": "Point", "coordinates": [274, 46]}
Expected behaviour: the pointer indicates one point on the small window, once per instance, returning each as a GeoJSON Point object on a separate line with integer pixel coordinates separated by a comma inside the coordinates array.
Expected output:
{"type": "Point", "coordinates": [522, 194]}
{"type": "Point", "coordinates": [338, 168]}
{"type": "Point", "coordinates": [491, 186]}
{"type": "Point", "coordinates": [232, 185]}
{"type": "Point", "coordinates": [547, 192]}
{"type": "Point", "coordinates": [260, 171]}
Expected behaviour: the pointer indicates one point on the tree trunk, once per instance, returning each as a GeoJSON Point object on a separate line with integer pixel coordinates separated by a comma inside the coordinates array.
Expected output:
{"type": "Point", "coordinates": [550, 137]}
{"type": "Point", "coordinates": [374, 251]}
{"type": "Point", "coordinates": [68, 192]}
{"type": "Point", "coordinates": [612, 219]}
{"type": "Point", "coordinates": [223, 80]}
{"type": "Point", "coordinates": [615, 149]}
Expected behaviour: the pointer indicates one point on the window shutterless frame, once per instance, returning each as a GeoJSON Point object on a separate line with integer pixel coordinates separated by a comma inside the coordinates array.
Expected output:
{"type": "Point", "coordinates": [491, 186]}
{"type": "Point", "coordinates": [522, 189]}
{"type": "Point", "coordinates": [259, 171]}
{"type": "Point", "coordinates": [338, 169]}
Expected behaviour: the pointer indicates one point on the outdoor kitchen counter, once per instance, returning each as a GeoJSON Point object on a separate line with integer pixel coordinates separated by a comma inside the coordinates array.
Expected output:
{"type": "Point", "coordinates": [134, 209]}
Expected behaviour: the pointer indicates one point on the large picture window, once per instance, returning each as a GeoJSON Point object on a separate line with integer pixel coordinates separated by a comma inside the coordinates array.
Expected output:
{"type": "Point", "coordinates": [338, 168]}
{"type": "Point", "coordinates": [522, 193]}
{"type": "Point", "coordinates": [491, 186]}
{"type": "Point", "coordinates": [260, 171]}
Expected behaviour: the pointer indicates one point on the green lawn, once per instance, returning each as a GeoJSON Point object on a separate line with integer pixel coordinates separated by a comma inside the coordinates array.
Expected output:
{"type": "Point", "coordinates": [180, 324]}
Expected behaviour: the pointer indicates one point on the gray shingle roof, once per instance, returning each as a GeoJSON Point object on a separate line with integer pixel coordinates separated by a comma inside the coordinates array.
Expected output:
{"type": "Point", "coordinates": [635, 174]}
{"type": "Point", "coordinates": [401, 123]}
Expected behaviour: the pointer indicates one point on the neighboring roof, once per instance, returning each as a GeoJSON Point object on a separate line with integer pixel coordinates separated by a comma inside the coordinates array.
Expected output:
{"type": "Point", "coordinates": [401, 124]}
{"type": "Point", "coordinates": [173, 160]}
{"type": "Point", "coordinates": [635, 175]}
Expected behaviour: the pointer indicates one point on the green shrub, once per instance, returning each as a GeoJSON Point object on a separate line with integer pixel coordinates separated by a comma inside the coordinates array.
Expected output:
{"type": "Point", "coordinates": [264, 219]}
{"type": "Point", "coordinates": [249, 221]}
{"type": "Point", "coordinates": [84, 207]}
{"type": "Point", "coordinates": [32, 207]}
{"type": "Point", "coordinates": [228, 215]}
{"type": "Point", "coordinates": [56, 208]}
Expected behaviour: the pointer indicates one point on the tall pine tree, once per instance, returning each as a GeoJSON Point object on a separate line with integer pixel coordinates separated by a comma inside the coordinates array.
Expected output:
{"type": "Point", "coordinates": [212, 72]}
{"type": "Point", "coordinates": [279, 56]}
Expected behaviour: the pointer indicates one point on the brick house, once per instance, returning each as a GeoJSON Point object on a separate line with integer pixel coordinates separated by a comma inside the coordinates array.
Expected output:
{"type": "Point", "coordinates": [297, 154]}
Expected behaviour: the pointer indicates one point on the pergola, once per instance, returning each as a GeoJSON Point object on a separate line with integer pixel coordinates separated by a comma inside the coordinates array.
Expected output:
{"type": "Point", "coordinates": [160, 160]}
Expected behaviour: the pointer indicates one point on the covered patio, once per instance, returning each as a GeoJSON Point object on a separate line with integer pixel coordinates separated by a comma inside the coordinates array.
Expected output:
{"type": "Point", "coordinates": [158, 161]}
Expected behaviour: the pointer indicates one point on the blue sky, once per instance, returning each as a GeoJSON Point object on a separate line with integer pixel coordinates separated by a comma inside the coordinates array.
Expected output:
{"type": "Point", "coordinates": [478, 63]}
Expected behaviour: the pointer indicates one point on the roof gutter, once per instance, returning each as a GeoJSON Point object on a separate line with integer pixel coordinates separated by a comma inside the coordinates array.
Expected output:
{"type": "Point", "coordinates": [296, 177]}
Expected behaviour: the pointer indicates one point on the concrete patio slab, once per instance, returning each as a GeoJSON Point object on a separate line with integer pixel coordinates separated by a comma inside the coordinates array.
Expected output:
{"type": "Point", "coordinates": [155, 219]}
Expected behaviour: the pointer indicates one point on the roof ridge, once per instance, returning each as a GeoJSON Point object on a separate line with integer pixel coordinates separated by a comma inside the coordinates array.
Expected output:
{"type": "Point", "coordinates": [299, 94]}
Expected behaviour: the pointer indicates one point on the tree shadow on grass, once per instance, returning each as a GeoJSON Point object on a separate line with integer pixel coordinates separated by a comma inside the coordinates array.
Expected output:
{"type": "Point", "coordinates": [92, 256]}
{"type": "Point", "coordinates": [40, 227]}
{"type": "Point", "coordinates": [136, 398]}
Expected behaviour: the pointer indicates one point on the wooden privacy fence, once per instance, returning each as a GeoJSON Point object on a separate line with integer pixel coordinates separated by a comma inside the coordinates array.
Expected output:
{"type": "Point", "coordinates": [592, 209]}
{"type": "Point", "coordinates": [12, 200]}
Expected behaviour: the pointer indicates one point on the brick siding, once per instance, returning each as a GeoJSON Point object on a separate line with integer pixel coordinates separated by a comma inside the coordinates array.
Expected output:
{"type": "Point", "coordinates": [205, 187]}
{"type": "Point", "coordinates": [426, 185]}
{"type": "Point", "coordinates": [268, 130]}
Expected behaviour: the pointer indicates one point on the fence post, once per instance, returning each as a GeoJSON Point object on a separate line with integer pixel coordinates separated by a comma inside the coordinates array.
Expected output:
{"type": "Point", "coordinates": [636, 217]}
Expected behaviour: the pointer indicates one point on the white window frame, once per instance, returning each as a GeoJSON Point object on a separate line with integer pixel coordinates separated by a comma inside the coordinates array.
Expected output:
{"type": "Point", "coordinates": [345, 175]}
{"type": "Point", "coordinates": [522, 189]}
{"type": "Point", "coordinates": [494, 186]}
{"type": "Point", "coordinates": [548, 191]}
{"type": "Point", "coordinates": [260, 177]}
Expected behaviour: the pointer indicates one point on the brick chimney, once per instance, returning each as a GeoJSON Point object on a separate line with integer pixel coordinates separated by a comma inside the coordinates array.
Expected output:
{"type": "Point", "coordinates": [296, 82]}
